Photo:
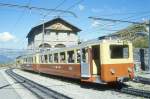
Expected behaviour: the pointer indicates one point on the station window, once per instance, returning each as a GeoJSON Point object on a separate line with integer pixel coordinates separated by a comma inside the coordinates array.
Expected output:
{"type": "Point", "coordinates": [48, 32]}
{"type": "Point", "coordinates": [71, 56]}
{"type": "Point", "coordinates": [119, 51]}
{"type": "Point", "coordinates": [57, 33]}
{"type": "Point", "coordinates": [62, 57]}
{"type": "Point", "coordinates": [68, 34]}
{"type": "Point", "coordinates": [50, 58]}
{"type": "Point", "coordinates": [56, 57]}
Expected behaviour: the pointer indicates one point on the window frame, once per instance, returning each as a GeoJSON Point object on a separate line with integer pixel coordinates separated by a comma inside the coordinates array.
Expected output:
{"type": "Point", "coordinates": [122, 54]}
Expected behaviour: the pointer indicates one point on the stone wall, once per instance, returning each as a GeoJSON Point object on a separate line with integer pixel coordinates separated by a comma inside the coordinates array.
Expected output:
{"type": "Point", "coordinates": [52, 39]}
{"type": "Point", "coordinates": [140, 59]}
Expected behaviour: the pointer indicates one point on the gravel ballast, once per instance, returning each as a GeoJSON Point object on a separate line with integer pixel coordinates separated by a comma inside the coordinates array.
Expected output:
{"type": "Point", "coordinates": [72, 90]}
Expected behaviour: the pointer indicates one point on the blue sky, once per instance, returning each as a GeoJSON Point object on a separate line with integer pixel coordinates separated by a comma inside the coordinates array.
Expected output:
{"type": "Point", "coordinates": [16, 23]}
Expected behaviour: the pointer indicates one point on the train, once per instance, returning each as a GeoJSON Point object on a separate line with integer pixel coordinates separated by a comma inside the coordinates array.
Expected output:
{"type": "Point", "coordinates": [95, 61]}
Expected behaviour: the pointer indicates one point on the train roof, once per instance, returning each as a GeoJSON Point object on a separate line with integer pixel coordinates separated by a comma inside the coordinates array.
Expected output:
{"type": "Point", "coordinates": [83, 44]}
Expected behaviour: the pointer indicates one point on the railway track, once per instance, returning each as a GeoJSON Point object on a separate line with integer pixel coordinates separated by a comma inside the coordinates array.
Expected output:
{"type": "Point", "coordinates": [43, 92]}
{"type": "Point", "coordinates": [136, 92]}
{"type": "Point", "coordinates": [40, 91]}
{"type": "Point", "coordinates": [142, 80]}
{"type": "Point", "coordinates": [123, 88]}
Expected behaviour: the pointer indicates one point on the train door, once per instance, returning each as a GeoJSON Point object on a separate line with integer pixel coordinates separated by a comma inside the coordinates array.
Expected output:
{"type": "Point", "coordinates": [96, 59]}
{"type": "Point", "coordinates": [85, 66]}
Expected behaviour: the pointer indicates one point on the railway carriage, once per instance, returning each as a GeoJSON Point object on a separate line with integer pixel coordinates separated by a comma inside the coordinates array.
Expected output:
{"type": "Point", "coordinates": [97, 61]}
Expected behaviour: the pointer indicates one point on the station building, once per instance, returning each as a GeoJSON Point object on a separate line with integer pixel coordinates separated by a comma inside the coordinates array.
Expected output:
{"type": "Point", "coordinates": [57, 33]}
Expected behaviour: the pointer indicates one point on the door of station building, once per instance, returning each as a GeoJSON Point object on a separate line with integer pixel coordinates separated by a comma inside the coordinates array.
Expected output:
{"type": "Point", "coordinates": [85, 66]}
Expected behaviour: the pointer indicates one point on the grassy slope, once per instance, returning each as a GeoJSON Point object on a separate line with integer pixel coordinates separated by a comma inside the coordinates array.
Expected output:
{"type": "Point", "coordinates": [138, 41]}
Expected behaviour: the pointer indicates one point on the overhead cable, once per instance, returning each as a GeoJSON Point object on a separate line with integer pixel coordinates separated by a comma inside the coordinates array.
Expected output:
{"type": "Point", "coordinates": [35, 8]}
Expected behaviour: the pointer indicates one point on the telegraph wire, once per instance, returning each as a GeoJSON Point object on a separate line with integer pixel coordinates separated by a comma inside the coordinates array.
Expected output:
{"type": "Point", "coordinates": [28, 3]}
{"type": "Point", "coordinates": [20, 17]}
{"type": "Point", "coordinates": [132, 17]}
{"type": "Point", "coordinates": [60, 4]}
{"type": "Point", "coordinates": [145, 13]}
{"type": "Point", "coordinates": [114, 20]}
{"type": "Point", "coordinates": [55, 9]}
{"type": "Point", "coordinates": [72, 6]}
{"type": "Point", "coordinates": [35, 8]}
{"type": "Point", "coordinates": [43, 24]}
{"type": "Point", "coordinates": [126, 13]}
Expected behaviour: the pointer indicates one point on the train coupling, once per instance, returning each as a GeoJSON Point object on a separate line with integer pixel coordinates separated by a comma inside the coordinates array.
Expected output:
{"type": "Point", "coordinates": [123, 79]}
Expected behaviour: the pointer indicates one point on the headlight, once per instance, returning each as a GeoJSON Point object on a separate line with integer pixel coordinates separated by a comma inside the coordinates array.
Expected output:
{"type": "Point", "coordinates": [129, 69]}
{"type": "Point", "coordinates": [112, 71]}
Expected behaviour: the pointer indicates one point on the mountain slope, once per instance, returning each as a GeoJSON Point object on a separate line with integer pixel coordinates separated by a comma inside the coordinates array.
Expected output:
{"type": "Point", "coordinates": [5, 59]}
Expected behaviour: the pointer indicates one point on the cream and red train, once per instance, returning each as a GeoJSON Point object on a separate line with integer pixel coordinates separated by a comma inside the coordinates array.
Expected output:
{"type": "Point", "coordinates": [97, 61]}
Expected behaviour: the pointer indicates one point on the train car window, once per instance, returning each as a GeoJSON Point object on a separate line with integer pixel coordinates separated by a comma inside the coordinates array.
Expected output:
{"type": "Point", "coordinates": [85, 55]}
{"type": "Point", "coordinates": [62, 57]}
{"type": "Point", "coordinates": [31, 60]}
{"type": "Point", "coordinates": [35, 59]}
{"type": "Point", "coordinates": [42, 59]}
{"type": "Point", "coordinates": [50, 58]}
{"type": "Point", "coordinates": [45, 58]}
{"type": "Point", "coordinates": [56, 57]}
{"type": "Point", "coordinates": [71, 57]}
{"type": "Point", "coordinates": [26, 60]}
{"type": "Point", "coordinates": [78, 56]}
{"type": "Point", "coordinates": [39, 59]}
{"type": "Point", "coordinates": [119, 51]}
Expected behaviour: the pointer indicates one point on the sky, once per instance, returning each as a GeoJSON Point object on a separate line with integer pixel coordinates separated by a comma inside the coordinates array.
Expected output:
{"type": "Point", "coordinates": [16, 23]}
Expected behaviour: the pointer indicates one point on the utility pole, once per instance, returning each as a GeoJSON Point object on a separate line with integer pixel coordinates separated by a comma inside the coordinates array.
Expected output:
{"type": "Point", "coordinates": [43, 34]}
{"type": "Point", "coordinates": [149, 47]}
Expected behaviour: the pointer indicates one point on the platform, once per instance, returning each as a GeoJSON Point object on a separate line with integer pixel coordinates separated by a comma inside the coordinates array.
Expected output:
{"type": "Point", "coordinates": [143, 74]}
{"type": "Point", "coordinates": [6, 90]}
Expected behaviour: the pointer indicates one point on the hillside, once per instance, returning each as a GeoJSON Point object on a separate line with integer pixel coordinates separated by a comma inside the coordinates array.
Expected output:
{"type": "Point", "coordinates": [5, 59]}
{"type": "Point", "coordinates": [137, 34]}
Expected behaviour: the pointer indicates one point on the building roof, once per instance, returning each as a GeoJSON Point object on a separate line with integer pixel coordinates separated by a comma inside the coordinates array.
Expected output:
{"type": "Point", "coordinates": [74, 28]}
